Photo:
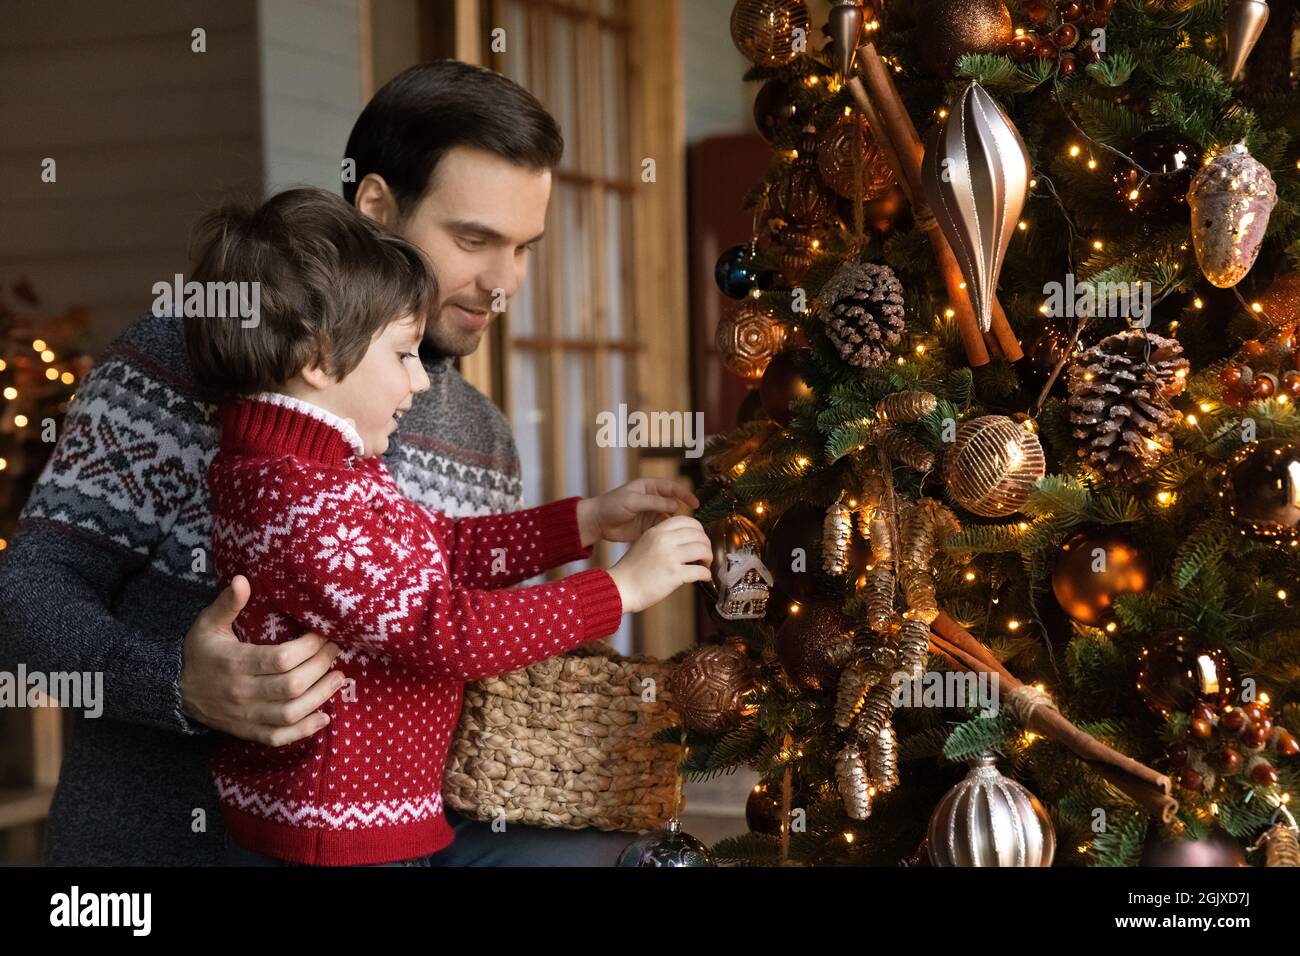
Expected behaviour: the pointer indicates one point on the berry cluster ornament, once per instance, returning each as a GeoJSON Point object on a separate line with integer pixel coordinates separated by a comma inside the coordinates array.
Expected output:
{"type": "Point", "coordinates": [992, 466]}
{"type": "Point", "coordinates": [748, 338]}
{"type": "Point", "coordinates": [1261, 370]}
{"type": "Point", "coordinates": [990, 820]}
{"type": "Point", "coordinates": [1070, 36]}
{"type": "Point", "coordinates": [1225, 741]}
{"type": "Point", "coordinates": [1231, 199]}
{"type": "Point", "coordinates": [862, 307]}
{"type": "Point", "coordinates": [1095, 567]}
{"type": "Point", "coordinates": [770, 32]}
{"type": "Point", "coordinates": [1180, 668]}
{"type": "Point", "coordinates": [1120, 391]}
{"type": "Point", "coordinates": [710, 688]}
{"type": "Point", "coordinates": [1262, 489]}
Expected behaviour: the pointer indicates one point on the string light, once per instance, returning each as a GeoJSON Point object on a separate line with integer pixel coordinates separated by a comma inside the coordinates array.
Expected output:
{"type": "Point", "coordinates": [51, 373]}
{"type": "Point", "coordinates": [758, 508]}
{"type": "Point", "coordinates": [39, 345]}
{"type": "Point", "coordinates": [1013, 624]}
{"type": "Point", "coordinates": [1096, 244]}
{"type": "Point", "coordinates": [1206, 407]}
{"type": "Point", "coordinates": [67, 378]}
{"type": "Point", "coordinates": [1165, 498]}
{"type": "Point", "coordinates": [1092, 163]}
{"type": "Point", "coordinates": [47, 356]}
{"type": "Point", "coordinates": [1022, 225]}
{"type": "Point", "coordinates": [949, 313]}
{"type": "Point", "coordinates": [1075, 151]}
{"type": "Point", "coordinates": [1281, 594]}
{"type": "Point", "coordinates": [3, 544]}
{"type": "Point", "coordinates": [795, 607]}
{"type": "Point", "coordinates": [1191, 420]}
{"type": "Point", "coordinates": [11, 393]}
{"type": "Point", "coordinates": [1255, 306]}
{"type": "Point", "coordinates": [20, 421]}
{"type": "Point", "coordinates": [920, 349]}
{"type": "Point", "coordinates": [1110, 628]}
{"type": "Point", "coordinates": [3, 464]}
{"type": "Point", "coordinates": [2, 365]}
{"type": "Point", "coordinates": [970, 575]}
{"type": "Point", "coordinates": [1197, 303]}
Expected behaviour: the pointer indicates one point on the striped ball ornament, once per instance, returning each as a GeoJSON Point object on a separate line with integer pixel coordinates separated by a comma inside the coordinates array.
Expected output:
{"type": "Point", "coordinates": [992, 466]}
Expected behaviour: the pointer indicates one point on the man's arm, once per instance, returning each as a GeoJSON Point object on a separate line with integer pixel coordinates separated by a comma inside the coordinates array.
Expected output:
{"type": "Point", "coordinates": [128, 461]}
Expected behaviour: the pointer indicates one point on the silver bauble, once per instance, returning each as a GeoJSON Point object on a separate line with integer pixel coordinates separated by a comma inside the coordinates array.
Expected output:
{"type": "Point", "coordinates": [990, 820]}
{"type": "Point", "coordinates": [670, 846]}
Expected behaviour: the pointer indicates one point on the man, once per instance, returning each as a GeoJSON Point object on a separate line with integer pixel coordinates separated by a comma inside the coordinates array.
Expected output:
{"type": "Point", "coordinates": [109, 572]}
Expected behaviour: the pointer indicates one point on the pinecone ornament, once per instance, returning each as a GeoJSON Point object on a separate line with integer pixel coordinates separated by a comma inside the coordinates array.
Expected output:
{"type": "Point", "coordinates": [1119, 401]}
{"type": "Point", "coordinates": [862, 306]}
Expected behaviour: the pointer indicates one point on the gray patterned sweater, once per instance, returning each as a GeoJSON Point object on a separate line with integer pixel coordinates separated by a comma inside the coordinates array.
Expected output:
{"type": "Point", "coordinates": [109, 567]}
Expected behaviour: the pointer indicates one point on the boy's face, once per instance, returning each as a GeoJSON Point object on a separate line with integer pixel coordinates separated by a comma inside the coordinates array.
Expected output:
{"type": "Point", "coordinates": [477, 224]}
{"type": "Point", "coordinates": [381, 388]}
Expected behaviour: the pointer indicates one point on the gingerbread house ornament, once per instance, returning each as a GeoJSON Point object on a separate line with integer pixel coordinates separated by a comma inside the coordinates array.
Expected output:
{"type": "Point", "coordinates": [745, 584]}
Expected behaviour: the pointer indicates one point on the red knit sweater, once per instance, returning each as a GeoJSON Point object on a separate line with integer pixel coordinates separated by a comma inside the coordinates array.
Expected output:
{"type": "Point", "coordinates": [418, 604]}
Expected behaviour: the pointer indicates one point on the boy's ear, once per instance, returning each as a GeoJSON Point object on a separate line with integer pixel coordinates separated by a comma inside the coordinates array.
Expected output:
{"type": "Point", "coordinates": [315, 376]}
{"type": "Point", "coordinates": [375, 200]}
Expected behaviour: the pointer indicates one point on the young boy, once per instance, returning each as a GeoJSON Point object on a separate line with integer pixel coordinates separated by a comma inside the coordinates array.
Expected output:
{"type": "Point", "coordinates": [304, 509]}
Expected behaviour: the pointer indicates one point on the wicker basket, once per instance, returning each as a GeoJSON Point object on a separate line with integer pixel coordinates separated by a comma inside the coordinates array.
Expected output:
{"type": "Point", "coordinates": [566, 743]}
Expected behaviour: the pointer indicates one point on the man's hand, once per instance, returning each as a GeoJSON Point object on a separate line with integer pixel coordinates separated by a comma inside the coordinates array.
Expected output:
{"type": "Point", "coordinates": [266, 693]}
{"type": "Point", "coordinates": [631, 510]}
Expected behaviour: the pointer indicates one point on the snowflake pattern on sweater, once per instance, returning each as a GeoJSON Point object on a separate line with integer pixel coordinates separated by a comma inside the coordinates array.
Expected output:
{"type": "Point", "coordinates": [418, 602]}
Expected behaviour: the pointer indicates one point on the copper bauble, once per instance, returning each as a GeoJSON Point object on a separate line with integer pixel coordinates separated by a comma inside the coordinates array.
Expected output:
{"type": "Point", "coordinates": [952, 28]}
{"type": "Point", "coordinates": [992, 466]}
{"type": "Point", "coordinates": [763, 810]}
{"type": "Point", "coordinates": [747, 339]}
{"type": "Point", "coordinates": [709, 688]}
{"type": "Point", "coordinates": [777, 109]}
{"type": "Point", "coordinates": [814, 644]}
{"type": "Point", "coordinates": [1178, 669]}
{"type": "Point", "coordinates": [798, 197]}
{"type": "Point", "coordinates": [836, 147]}
{"type": "Point", "coordinates": [1263, 488]}
{"type": "Point", "coordinates": [1093, 569]}
{"type": "Point", "coordinates": [782, 383]}
{"type": "Point", "coordinates": [767, 31]}
{"type": "Point", "coordinates": [1280, 301]}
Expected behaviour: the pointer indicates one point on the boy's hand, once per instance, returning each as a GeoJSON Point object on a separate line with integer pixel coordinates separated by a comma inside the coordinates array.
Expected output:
{"type": "Point", "coordinates": [667, 556]}
{"type": "Point", "coordinates": [269, 694]}
{"type": "Point", "coordinates": [627, 512]}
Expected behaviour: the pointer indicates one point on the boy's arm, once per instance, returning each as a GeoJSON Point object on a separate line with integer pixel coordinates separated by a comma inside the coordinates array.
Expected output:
{"type": "Point", "coordinates": [91, 523]}
{"type": "Point", "coordinates": [496, 551]}
{"type": "Point", "coordinates": [349, 575]}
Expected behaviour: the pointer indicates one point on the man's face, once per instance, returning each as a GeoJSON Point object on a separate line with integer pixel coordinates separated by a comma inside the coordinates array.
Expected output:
{"type": "Point", "coordinates": [477, 224]}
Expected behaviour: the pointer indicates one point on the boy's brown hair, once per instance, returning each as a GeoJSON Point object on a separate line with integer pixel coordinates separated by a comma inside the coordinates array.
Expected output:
{"type": "Point", "coordinates": [328, 279]}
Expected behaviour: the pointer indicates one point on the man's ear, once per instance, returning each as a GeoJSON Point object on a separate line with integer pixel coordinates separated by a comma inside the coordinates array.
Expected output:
{"type": "Point", "coordinates": [375, 200]}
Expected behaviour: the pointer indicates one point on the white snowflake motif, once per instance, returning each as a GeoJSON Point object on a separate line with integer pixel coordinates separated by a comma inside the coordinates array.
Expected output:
{"type": "Point", "coordinates": [343, 547]}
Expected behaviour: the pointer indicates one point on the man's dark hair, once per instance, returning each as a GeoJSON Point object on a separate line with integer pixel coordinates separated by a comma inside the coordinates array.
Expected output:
{"type": "Point", "coordinates": [329, 280]}
{"type": "Point", "coordinates": [430, 108]}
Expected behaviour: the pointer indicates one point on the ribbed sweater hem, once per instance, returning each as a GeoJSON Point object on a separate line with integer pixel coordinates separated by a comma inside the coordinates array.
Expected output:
{"type": "Point", "coordinates": [315, 846]}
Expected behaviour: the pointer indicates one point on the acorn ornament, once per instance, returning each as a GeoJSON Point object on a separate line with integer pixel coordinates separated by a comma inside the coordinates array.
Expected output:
{"type": "Point", "coordinates": [1231, 198]}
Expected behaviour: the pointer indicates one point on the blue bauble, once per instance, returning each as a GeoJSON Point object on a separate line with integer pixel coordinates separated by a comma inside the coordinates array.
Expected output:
{"type": "Point", "coordinates": [735, 272]}
{"type": "Point", "coordinates": [670, 846]}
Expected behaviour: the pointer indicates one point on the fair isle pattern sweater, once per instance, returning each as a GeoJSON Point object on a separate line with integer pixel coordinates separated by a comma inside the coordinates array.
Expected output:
{"type": "Point", "coordinates": [417, 600]}
{"type": "Point", "coordinates": [111, 563]}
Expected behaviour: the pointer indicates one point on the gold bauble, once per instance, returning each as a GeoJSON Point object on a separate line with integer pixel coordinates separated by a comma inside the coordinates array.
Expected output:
{"type": "Point", "coordinates": [747, 339]}
{"type": "Point", "coordinates": [992, 466]}
{"type": "Point", "coordinates": [765, 30]}
{"type": "Point", "coordinates": [1093, 569]}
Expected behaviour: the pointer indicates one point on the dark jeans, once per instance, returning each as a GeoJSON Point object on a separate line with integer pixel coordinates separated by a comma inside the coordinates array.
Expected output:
{"type": "Point", "coordinates": [477, 845]}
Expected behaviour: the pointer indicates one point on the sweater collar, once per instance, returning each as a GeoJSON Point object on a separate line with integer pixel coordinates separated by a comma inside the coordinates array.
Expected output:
{"type": "Point", "coordinates": [270, 423]}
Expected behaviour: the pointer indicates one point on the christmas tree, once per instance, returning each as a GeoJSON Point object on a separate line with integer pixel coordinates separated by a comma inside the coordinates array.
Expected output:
{"type": "Point", "coordinates": [42, 359]}
{"type": "Point", "coordinates": [1006, 537]}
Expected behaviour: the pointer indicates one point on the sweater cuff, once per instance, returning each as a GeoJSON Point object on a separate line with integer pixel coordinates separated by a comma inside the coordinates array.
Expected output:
{"type": "Point", "coordinates": [602, 605]}
{"type": "Point", "coordinates": [561, 536]}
